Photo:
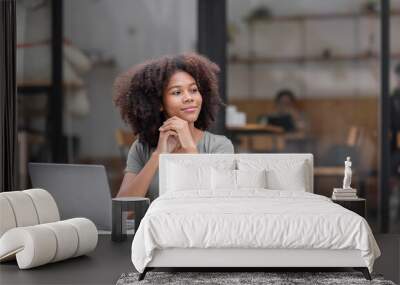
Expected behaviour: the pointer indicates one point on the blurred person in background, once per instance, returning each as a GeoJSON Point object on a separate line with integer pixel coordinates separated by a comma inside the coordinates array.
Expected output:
{"type": "Point", "coordinates": [287, 115]}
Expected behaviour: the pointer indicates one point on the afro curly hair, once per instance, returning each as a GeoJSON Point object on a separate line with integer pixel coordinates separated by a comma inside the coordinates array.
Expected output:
{"type": "Point", "coordinates": [138, 93]}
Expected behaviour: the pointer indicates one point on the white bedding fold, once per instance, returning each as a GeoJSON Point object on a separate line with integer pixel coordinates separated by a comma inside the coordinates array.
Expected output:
{"type": "Point", "coordinates": [252, 218]}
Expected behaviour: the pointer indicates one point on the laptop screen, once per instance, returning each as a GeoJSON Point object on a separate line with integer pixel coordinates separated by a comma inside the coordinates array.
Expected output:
{"type": "Point", "coordinates": [79, 190]}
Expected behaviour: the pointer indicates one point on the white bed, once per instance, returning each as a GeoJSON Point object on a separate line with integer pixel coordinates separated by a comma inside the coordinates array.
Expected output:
{"type": "Point", "coordinates": [248, 226]}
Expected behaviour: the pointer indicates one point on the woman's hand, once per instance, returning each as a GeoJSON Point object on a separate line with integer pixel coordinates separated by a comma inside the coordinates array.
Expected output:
{"type": "Point", "coordinates": [181, 128]}
{"type": "Point", "coordinates": [167, 142]}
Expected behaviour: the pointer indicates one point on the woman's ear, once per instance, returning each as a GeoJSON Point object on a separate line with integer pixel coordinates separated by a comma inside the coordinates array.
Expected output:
{"type": "Point", "coordinates": [161, 109]}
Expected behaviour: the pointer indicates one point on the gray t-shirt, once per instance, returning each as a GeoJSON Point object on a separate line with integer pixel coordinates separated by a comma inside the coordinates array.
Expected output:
{"type": "Point", "coordinates": [140, 153]}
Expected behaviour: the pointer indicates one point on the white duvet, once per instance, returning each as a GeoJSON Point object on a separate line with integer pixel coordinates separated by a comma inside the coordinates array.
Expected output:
{"type": "Point", "coordinates": [252, 218]}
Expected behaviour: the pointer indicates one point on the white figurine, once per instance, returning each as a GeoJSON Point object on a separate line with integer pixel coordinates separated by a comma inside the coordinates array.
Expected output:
{"type": "Point", "coordinates": [347, 174]}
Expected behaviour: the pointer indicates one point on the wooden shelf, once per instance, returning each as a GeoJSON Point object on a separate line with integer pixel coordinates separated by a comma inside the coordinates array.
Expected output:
{"type": "Point", "coordinates": [35, 89]}
{"type": "Point", "coordinates": [325, 17]}
{"type": "Point", "coordinates": [235, 59]}
{"type": "Point", "coordinates": [305, 59]}
{"type": "Point", "coordinates": [255, 128]}
{"type": "Point", "coordinates": [42, 86]}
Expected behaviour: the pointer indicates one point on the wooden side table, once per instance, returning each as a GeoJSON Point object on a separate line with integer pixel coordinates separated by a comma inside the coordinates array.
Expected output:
{"type": "Point", "coordinates": [358, 206]}
{"type": "Point", "coordinates": [123, 204]}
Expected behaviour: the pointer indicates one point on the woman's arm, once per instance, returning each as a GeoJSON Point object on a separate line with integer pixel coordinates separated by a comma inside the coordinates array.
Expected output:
{"type": "Point", "coordinates": [138, 184]}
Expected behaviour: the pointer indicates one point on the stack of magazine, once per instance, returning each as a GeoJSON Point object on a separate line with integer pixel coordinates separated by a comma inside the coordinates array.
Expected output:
{"type": "Point", "coordinates": [343, 194]}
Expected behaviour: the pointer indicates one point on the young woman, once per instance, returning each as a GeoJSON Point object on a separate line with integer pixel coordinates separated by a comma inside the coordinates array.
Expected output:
{"type": "Point", "coordinates": [169, 103]}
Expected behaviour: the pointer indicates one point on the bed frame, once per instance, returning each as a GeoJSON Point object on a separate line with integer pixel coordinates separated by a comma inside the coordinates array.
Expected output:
{"type": "Point", "coordinates": [242, 258]}
{"type": "Point", "coordinates": [256, 258]}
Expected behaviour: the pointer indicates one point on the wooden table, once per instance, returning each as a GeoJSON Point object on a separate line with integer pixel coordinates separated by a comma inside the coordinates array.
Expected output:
{"type": "Point", "coordinates": [277, 134]}
{"type": "Point", "coordinates": [329, 171]}
{"type": "Point", "coordinates": [251, 129]}
{"type": "Point", "coordinates": [256, 128]}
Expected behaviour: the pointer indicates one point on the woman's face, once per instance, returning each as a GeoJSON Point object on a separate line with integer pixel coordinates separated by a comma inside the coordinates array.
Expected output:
{"type": "Point", "coordinates": [182, 98]}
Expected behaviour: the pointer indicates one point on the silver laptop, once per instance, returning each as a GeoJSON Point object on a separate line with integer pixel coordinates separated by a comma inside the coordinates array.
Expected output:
{"type": "Point", "coordinates": [79, 190]}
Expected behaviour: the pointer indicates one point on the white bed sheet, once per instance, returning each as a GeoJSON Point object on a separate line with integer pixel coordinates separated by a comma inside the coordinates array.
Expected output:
{"type": "Point", "coordinates": [251, 218]}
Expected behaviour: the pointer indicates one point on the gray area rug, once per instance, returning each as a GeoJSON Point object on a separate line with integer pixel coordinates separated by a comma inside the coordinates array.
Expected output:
{"type": "Point", "coordinates": [225, 278]}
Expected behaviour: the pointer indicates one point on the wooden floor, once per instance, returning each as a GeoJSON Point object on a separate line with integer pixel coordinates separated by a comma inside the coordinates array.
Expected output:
{"type": "Point", "coordinates": [110, 260]}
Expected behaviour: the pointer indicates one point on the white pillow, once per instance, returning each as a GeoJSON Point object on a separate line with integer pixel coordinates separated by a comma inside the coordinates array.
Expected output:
{"type": "Point", "coordinates": [182, 177]}
{"type": "Point", "coordinates": [251, 178]}
{"type": "Point", "coordinates": [223, 179]}
{"type": "Point", "coordinates": [287, 176]}
{"type": "Point", "coordinates": [281, 174]}
{"type": "Point", "coordinates": [227, 179]}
